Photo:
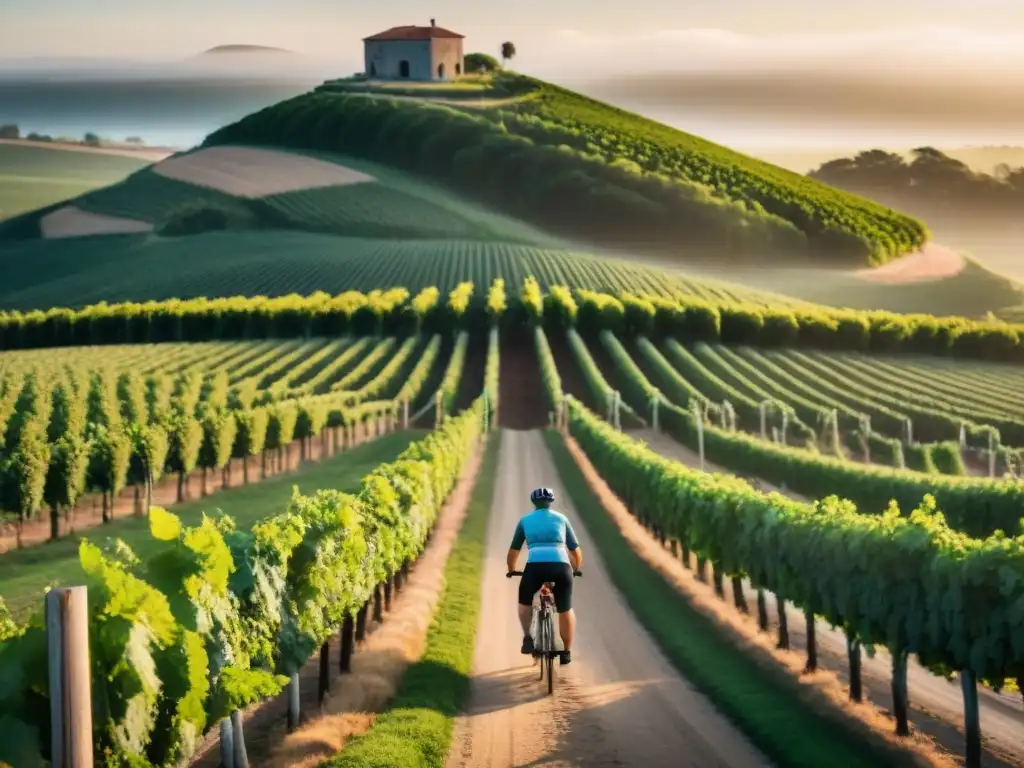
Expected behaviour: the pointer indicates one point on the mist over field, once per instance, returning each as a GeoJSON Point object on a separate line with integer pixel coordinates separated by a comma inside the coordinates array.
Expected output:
{"type": "Point", "coordinates": [904, 88]}
{"type": "Point", "coordinates": [169, 102]}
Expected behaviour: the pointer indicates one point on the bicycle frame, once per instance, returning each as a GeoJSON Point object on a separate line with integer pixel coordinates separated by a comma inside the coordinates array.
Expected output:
{"type": "Point", "coordinates": [544, 639]}
{"type": "Point", "coordinates": [544, 644]}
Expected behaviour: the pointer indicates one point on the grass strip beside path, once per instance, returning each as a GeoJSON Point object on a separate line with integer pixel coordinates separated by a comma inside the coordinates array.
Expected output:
{"type": "Point", "coordinates": [763, 702]}
{"type": "Point", "coordinates": [24, 573]}
{"type": "Point", "coordinates": [416, 729]}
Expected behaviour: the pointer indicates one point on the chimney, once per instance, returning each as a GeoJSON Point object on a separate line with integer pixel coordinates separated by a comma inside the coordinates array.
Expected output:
{"type": "Point", "coordinates": [433, 22]}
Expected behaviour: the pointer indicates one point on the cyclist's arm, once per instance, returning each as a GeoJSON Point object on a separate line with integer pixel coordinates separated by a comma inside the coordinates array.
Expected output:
{"type": "Point", "coordinates": [518, 539]}
{"type": "Point", "coordinates": [571, 543]}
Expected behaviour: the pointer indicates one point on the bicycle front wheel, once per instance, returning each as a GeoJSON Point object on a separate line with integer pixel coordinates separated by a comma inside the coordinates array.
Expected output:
{"type": "Point", "coordinates": [549, 651]}
{"type": "Point", "coordinates": [540, 643]}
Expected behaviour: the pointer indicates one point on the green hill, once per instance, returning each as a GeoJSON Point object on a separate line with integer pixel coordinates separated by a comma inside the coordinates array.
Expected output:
{"type": "Point", "coordinates": [389, 229]}
{"type": "Point", "coordinates": [488, 177]}
{"type": "Point", "coordinates": [36, 176]}
{"type": "Point", "coordinates": [586, 169]}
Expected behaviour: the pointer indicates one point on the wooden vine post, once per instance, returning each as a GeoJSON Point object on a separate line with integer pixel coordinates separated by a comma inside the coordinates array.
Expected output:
{"type": "Point", "coordinates": [67, 641]}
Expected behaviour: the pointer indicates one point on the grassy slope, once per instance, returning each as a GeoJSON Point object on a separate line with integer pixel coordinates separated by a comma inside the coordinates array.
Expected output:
{"type": "Point", "coordinates": [762, 701]}
{"type": "Point", "coordinates": [416, 730]}
{"type": "Point", "coordinates": [34, 177]}
{"type": "Point", "coordinates": [79, 271]}
{"type": "Point", "coordinates": [616, 134]}
{"type": "Point", "coordinates": [729, 173]}
{"type": "Point", "coordinates": [400, 202]}
{"type": "Point", "coordinates": [24, 573]}
{"type": "Point", "coordinates": [972, 293]}
{"type": "Point", "coordinates": [92, 270]}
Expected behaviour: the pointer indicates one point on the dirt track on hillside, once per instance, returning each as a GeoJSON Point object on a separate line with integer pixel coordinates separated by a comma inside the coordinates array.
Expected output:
{"type": "Point", "coordinates": [72, 221]}
{"type": "Point", "coordinates": [251, 172]}
{"type": "Point", "coordinates": [936, 704]}
{"type": "Point", "coordinates": [931, 262]}
{"type": "Point", "coordinates": [620, 703]}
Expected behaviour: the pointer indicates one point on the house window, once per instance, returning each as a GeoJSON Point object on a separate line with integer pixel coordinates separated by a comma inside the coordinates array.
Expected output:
{"type": "Point", "coordinates": [440, 71]}
{"type": "Point", "coordinates": [458, 70]}
{"type": "Point", "coordinates": [373, 70]}
{"type": "Point", "coordinates": [403, 68]}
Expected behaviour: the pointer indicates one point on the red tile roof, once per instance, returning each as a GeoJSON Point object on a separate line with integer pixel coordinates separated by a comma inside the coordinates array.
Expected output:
{"type": "Point", "coordinates": [414, 33]}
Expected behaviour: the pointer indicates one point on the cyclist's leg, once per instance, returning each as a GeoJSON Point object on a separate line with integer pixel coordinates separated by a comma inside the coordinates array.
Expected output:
{"type": "Point", "coordinates": [530, 582]}
{"type": "Point", "coordinates": [562, 578]}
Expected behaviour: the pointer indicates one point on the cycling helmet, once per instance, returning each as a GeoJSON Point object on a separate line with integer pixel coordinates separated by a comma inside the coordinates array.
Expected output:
{"type": "Point", "coordinates": [543, 494]}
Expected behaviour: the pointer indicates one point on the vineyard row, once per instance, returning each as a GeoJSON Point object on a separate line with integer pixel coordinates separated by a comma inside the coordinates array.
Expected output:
{"type": "Point", "coordinates": [975, 506]}
{"type": "Point", "coordinates": [395, 310]}
{"type": "Point", "coordinates": [79, 431]}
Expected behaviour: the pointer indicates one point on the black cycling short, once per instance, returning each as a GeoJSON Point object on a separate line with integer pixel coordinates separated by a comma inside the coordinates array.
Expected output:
{"type": "Point", "coordinates": [536, 574]}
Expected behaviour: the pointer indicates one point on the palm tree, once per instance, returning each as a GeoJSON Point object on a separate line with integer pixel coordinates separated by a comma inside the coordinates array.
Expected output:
{"type": "Point", "coordinates": [508, 51]}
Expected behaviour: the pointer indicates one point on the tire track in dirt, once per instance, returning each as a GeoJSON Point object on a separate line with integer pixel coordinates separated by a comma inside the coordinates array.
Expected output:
{"type": "Point", "coordinates": [620, 703]}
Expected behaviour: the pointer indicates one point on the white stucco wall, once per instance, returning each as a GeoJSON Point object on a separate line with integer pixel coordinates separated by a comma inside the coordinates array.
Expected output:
{"type": "Point", "coordinates": [382, 58]}
{"type": "Point", "coordinates": [385, 56]}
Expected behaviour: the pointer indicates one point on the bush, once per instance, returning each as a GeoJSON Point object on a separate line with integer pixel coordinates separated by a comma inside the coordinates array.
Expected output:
{"type": "Point", "coordinates": [198, 218]}
{"type": "Point", "coordinates": [10, 131]}
{"type": "Point", "coordinates": [479, 63]}
{"type": "Point", "coordinates": [948, 461]}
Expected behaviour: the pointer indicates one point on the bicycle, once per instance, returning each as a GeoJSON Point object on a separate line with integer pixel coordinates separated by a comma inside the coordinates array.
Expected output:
{"type": "Point", "coordinates": [544, 638]}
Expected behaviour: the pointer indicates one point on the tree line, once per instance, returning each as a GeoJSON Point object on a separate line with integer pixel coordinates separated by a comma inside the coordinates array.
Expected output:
{"type": "Point", "coordinates": [929, 183]}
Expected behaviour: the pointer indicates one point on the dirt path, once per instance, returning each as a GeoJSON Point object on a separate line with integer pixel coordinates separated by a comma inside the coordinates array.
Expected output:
{"type": "Point", "coordinates": [937, 704]}
{"type": "Point", "coordinates": [620, 703]}
{"type": "Point", "coordinates": [523, 404]}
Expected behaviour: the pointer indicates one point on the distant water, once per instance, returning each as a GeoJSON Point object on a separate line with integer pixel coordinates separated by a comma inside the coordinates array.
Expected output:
{"type": "Point", "coordinates": [180, 112]}
{"type": "Point", "coordinates": [168, 112]}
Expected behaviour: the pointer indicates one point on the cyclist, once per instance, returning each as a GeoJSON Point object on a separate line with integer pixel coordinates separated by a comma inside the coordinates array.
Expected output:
{"type": "Point", "coordinates": [554, 553]}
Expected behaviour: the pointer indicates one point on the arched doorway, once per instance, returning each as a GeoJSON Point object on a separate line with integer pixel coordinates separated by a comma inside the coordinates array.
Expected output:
{"type": "Point", "coordinates": [458, 69]}
{"type": "Point", "coordinates": [440, 71]}
{"type": "Point", "coordinates": [403, 68]}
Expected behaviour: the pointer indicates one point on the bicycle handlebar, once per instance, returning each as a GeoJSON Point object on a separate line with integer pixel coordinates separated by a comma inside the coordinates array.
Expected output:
{"type": "Point", "coordinates": [510, 574]}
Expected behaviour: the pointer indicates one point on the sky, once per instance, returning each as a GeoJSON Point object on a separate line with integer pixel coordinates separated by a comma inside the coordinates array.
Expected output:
{"type": "Point", "coordinates": [892, 71]}
{"type": "Point", "coordinates": [653, 29]}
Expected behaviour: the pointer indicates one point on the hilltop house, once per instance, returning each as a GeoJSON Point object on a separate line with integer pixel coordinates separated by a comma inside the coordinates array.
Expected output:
{"type": "Point", "coordinates": [414, 53]}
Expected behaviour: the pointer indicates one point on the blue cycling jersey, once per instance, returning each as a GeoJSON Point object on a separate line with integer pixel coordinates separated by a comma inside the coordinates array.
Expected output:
{"type": "Point", "coordinates": [548, 534]}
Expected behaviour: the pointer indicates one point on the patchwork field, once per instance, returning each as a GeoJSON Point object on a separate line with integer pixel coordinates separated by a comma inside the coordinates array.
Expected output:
{"type": "Point", "coordinates": [33, 177]}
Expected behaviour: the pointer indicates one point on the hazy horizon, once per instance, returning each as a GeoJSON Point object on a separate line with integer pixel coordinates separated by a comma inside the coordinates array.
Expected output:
{"type": "Point", "coordinates": [740, 76]}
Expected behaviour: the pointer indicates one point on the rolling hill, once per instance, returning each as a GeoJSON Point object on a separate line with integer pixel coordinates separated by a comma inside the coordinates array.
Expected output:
{"type": "Point", "coordinates": [35, 176]}
{"type": "Point", "coordinates": [233, 48]}
{"type": "Point", "coordinates": [227, 220]}
{"type": "Point", "coordinates": [505, 160]}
